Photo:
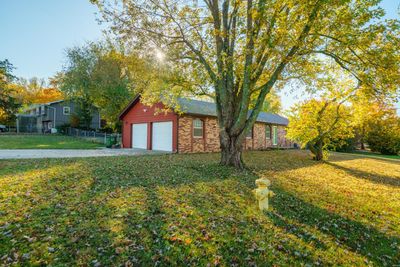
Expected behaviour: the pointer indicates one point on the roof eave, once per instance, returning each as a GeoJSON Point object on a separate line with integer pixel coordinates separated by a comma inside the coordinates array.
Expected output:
{"type": "Point", "coordinates": [128, 107]}
{"type": "Point", "coordinates": [208, 115]}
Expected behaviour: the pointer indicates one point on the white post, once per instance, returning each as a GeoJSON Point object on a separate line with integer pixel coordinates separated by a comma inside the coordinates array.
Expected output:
{"type": "Point", "coordinates": [105, 138]}
{"type": "Point", "coordinates": [17, 126]}
{"type": "Point", "coordinates": [54, 116]}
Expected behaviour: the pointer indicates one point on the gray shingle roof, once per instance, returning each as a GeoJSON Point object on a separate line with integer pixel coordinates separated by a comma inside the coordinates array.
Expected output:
{"type": "Point", "coordinates": [191, 106]}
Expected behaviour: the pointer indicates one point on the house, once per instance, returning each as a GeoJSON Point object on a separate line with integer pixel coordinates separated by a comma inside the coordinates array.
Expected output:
{"type": "Point", "coordinates": [44, 117]}
{"type": "Point", "coordinates": [193, 129]}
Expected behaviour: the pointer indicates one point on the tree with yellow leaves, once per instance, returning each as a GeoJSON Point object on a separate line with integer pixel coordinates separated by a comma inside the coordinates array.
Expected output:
{"type": "Point", "coordinates": [316, 123]}
{"type": "Point", "coordinates": [238, 51]}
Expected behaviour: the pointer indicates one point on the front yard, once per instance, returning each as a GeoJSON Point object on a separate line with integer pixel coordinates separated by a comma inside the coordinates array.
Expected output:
{"type": "Point", "coordinates": [44, 142]}
{"type": "Point", "coordinates": [187, 210]}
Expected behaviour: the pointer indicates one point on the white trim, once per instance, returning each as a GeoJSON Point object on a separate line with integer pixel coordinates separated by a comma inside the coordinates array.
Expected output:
{"type": "Point", "coordinates": [196, 127]}
{"type": "Point", "coordinates": [54, 115]}
{"type": "Point", "coordinates": [99, 119]}
{"type": "Point", "coordinates": [66, 108]}
{"type": "Point", "coordinates": [275, 135]}
{"type": "Point", "coordinates": [251, 131]}
{"type": "Point", "coordinates": [270, 129]}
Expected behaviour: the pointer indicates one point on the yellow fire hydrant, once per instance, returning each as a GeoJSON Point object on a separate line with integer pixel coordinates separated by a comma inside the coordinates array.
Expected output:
{"type": "Point", "coordinates": [262, 193]}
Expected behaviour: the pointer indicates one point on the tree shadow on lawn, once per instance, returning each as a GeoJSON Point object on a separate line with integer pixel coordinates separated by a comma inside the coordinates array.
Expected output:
{"type": "Point", "coordinates": [357, 237]}
{"type": "Point", "coordinates": [52, 224]}
{"type": "Point", "coordinates": [278, 160]}
{"type": "Point", "coordinates": [82, 220]}
{"type": "Point", "coordinates": [373, 177]}
{"type": "Point", "coordinates": [247, 237]}
{"type": "Point", "coordinates": [86, 219]}
{"type": "Point", "coordinates": [19, 166]}
{"type": "Point", "coordinates": [73, 206]}
{"type": "Point", "coordinates": [343, 156]}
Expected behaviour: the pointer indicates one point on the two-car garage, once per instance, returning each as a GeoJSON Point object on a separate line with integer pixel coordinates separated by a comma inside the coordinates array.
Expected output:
{"type": "Point", "coordinates": [149, 127]}
{"type": "Point", "coordinates": [154, 136]}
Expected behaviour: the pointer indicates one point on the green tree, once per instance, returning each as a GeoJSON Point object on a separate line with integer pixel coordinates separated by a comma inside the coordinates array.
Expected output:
{"type": "Point", "coordinates": [241, 50]}
{"type": "Point", "coordinates": [384, 132]}
{"type": "Point", "coordinates": [102, 75]}
{"type": "Point", "coordinates": [75, 81]}
{"type": "Point", "coordinates": [84, 112]}
{"type": "Point", "coordinates": [319, 124]}
{"type": "Point", "coordinates": [9, 103]}
{"type": "Point", "coordinates": [271, 104]}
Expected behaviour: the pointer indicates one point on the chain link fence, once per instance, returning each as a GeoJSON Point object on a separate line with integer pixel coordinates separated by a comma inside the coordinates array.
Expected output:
{"type": "Point", "coordinates": [93, 136]}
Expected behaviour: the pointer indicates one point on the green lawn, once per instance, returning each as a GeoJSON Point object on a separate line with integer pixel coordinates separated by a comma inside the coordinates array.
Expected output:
{"type": "Point", "coordinates": [44, 142]}
{"type": "Point", "coordinates": [187, 210]}
{"type": "Point", "coordinates": [372, 154]}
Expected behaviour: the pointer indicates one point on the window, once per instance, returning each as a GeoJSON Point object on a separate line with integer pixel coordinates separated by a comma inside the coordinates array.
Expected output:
{"type": "Point", "coordinates": [268, 132]}
{"type": "Point", "coordinates": [66, 110]}
{"type": "Point", "coordinates": [43, 110]}
{"type": "Point", "coordinates": [250, 133]}
{"type": "Point", "coordinates": [198, 128]}
{"type": "Point", "coordinates": [275, 135]}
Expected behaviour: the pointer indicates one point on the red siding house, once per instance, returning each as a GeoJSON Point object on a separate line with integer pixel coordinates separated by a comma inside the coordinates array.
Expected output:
{"type": "Point", "coordinates": [194, 129]}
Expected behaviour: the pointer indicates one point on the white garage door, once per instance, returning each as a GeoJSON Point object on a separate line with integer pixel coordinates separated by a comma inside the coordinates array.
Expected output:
{"type": "Point", "coordinates": [162, 136]}
{"type": "Point", "coordinates": [139, 135]}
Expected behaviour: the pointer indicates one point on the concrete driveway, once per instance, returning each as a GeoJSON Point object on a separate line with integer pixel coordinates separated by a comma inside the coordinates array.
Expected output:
{"type": "Point", "coordinates": [70, 153]}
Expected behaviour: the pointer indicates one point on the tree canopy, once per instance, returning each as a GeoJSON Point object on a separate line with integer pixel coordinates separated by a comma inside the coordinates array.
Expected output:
{"type": "Point", "coordinates": [315, 124]}
{"type": "Point", "coordinates": [103, 75]}
{"type": "Point", "coordinates": [36, 91]}
{"type": "Point", "coordinates": [9, 103]}
{"type": "Point", "coordinates": [238, 51]}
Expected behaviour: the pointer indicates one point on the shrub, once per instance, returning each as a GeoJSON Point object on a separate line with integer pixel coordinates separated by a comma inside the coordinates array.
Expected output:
{"type": "Point", "coordinates": [63, 128]}
{"type": "Point", "coordinates": [384, 142]}
{"type": "Point", "coordinates": [75, 121]}
{"type": "Point", "coordinates": [343, 145]}
{"type": "Point", "coordinates": [384, 137]}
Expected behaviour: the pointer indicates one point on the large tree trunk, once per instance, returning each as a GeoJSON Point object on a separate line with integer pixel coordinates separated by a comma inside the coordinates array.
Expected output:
{"type": "Point", "coordinates": [317, 150]}
{"type": "Point", "coordinates": [231, 150]}
{"type": "Point", "coordinates": [362, 144]}
{"type": "Point", "coordinates": [362, 138]}
{"type": "Point", "coordinates": [319, 155]}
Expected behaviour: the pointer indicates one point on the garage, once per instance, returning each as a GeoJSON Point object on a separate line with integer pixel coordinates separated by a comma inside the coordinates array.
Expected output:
{"type": "Point", "coordinates": [162, 136]}
{"type": "Point", "coordinates": [139, 135]}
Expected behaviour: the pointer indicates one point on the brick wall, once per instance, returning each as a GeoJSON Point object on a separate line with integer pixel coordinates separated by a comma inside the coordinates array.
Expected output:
{"type": "Point", "coordinates": [210, 141]}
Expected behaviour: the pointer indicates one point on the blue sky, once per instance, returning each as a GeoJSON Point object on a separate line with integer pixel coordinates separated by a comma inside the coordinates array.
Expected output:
{"type": "Point", "coordinates": [35, 33]}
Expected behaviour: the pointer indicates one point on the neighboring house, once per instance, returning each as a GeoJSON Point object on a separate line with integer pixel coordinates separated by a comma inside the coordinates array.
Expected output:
{"type": "Point", "coordinates": [44, 117]}
{"type": "Point", "coordinates": [194, 129]}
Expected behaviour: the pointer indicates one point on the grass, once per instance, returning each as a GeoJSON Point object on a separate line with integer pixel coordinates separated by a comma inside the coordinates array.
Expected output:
{"type": "Point", "coordinates": [44, 142]}
{"type": "Point", "coordinates": [187, 210]}
{"type": "Point", "coordinates": [374, 154]}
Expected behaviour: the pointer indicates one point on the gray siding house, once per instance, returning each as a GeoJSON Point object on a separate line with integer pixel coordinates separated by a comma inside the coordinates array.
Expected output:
{"type": "Point", "coordinates": [44, 117]}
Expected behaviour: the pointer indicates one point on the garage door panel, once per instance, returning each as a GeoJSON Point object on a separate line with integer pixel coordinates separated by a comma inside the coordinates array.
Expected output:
{"type": "Point", "coordinates": [139, 135]}
{"type": "Point", "coordinates": [162, 136]}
